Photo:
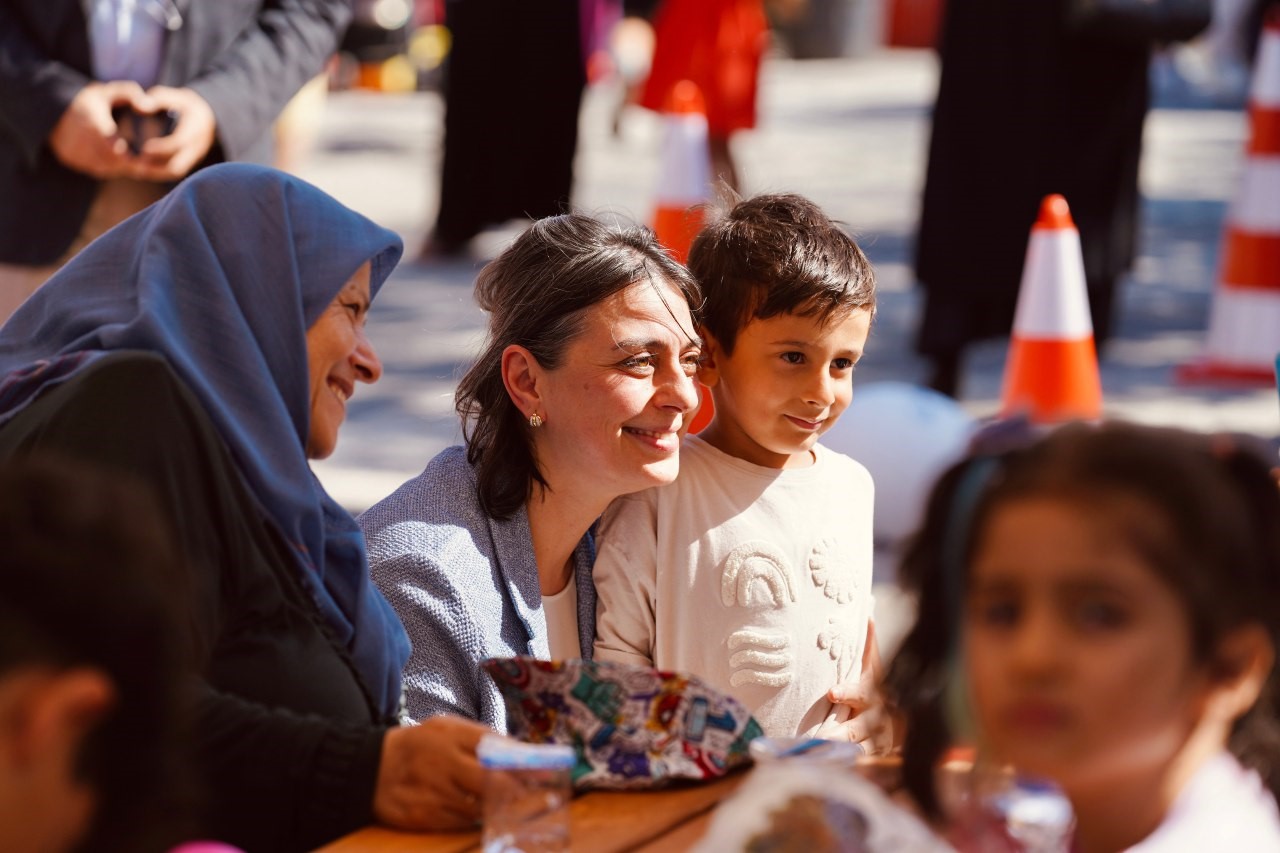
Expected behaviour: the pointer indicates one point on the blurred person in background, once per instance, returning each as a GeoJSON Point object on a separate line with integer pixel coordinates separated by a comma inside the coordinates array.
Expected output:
{"type": "Point", "coordinates": [75, 75]}
{"type": "Point", "coordinates": [718, 44]}
{"type": "Point", "coordinates": [513, 84]}
{"type": "Point", "coordinates": [1034, 98]}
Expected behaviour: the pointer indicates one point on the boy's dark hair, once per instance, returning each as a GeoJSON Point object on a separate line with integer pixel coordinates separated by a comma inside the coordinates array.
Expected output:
{"type": "Point", "coordinates": [89, 578]}
{"type": "Point", "coordinates": [777, 254]}
{"type": "Point", "coordinates": [537, 293]}
{"type": "Point", "coordinates": [1203, 511]}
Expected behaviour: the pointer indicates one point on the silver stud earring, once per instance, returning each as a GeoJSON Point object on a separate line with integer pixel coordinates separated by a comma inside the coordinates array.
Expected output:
{"type": "Point", "coordinates": [535, 420]}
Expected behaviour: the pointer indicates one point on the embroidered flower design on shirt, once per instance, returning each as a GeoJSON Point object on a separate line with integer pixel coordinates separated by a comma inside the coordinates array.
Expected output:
{"type": "Point", "coordinates": [759, 657]}
{"type": "Point", "coordinates": [831, 570]}
{"type": "Point", "coordinates": [842, 648]}
{"type": "Point", "coordinates": [757, 574]}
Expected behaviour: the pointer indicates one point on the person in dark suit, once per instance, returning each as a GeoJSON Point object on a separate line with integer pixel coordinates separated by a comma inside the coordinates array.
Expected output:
{"type": "Point", "coordinates": [1033, 99]}
{"type": "Point", "coordinates": [226, 69]}
{"type": "Point", "coordinates": [513, 66]}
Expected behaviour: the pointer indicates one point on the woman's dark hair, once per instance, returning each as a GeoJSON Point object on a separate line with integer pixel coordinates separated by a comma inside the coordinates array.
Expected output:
{"type": "Point", "coordinates": [1215, 542]}
{"type": "Point", "coordinates": [777, 254]}
{"type": "Point", "coordinates": [537, 293]}
{"type": "Point", "coordinates": [90, 578]}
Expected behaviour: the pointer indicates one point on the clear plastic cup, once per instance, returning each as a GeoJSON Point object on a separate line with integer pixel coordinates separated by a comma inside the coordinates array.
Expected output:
{"type": "Point", "coordinates": [1038, 815]}
{"type": "Point", "coordinates": [526, 796]}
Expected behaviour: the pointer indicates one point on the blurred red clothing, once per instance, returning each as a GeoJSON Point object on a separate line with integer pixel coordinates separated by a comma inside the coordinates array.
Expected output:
{"type": "Point", "coordinates": [718, 44]}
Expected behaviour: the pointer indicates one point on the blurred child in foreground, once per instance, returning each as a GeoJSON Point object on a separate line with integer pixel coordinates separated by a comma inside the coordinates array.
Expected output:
{"type": "Point", "coordinates": [90, 655]}
{"type": "Point", "coordinates": [1102, 609]}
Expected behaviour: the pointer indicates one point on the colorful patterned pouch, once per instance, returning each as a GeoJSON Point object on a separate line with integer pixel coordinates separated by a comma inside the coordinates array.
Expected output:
{"type": "Point", "coordinates": [632, 726]}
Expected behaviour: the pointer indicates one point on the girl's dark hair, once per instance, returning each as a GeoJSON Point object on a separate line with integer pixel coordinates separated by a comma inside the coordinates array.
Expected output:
{"type": "Point", "coordinates": [537, 293]}
{"type": "Point", "coordinates": [1216, 544]}
{"type": "Point", "coordinates": [89, 577]}
{"type": "Point", "coordinates": [777, 254]}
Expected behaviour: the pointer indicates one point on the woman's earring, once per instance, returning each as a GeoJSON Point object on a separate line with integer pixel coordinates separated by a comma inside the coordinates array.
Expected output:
{"type": "Point", "coordinates": [535, 420]}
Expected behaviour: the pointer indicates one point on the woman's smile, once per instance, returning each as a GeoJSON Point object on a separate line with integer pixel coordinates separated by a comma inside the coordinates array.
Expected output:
{"type": "Point", "coordinates": [666, 440]}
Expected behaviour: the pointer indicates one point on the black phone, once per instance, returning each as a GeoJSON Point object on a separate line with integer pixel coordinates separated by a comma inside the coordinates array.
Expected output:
{"type": "Point", "coordinates": [137, 128]}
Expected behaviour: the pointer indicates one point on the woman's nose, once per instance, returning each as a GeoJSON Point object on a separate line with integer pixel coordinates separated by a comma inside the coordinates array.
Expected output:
{"type": "Point", "coordinates": [365, 358]}
{"type": "Point", "coordinates": [679, 390]}
{"type": "Point", "coordinates": [688, 391]}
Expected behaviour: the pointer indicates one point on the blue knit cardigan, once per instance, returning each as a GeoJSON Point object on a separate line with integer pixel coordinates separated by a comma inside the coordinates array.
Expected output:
{"type": "Point", "coordinates": [466, 587]}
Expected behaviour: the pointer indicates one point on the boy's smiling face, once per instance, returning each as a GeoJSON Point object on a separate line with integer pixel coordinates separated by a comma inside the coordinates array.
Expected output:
{"type": "Point", "coordinates": [787, 381]}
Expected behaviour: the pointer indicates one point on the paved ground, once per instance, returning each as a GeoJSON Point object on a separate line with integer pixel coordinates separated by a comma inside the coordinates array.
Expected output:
{"type": "Point", "coordinates": [851, 134]}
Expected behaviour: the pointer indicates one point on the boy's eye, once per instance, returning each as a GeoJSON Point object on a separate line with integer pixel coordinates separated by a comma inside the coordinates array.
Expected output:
{"type": "Point", "coordinates": [793, 357]}
{"type": "Point", "coordinates": [843, 364]}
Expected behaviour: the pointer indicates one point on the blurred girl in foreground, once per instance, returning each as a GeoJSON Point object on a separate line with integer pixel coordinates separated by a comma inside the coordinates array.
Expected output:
{"type": "Point", "coordinates": [1101, 610]}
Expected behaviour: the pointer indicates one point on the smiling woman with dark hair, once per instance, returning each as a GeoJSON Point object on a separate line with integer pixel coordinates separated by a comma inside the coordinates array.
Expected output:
{"type": "Point", "coordinates": [579, 395]}
{"type": "Point", "coordinates": [209, 346]}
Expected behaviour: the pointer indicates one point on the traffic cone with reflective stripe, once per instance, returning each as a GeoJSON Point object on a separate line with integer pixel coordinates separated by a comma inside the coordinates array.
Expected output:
{"type": "Point", "coordinates": [1052, 371]}
{"type": "Point", "coordinates": [684, 185]}
{"type": "Point", "coordinates": [706, 410]}
{"type": "Point", "coordinates": [1244, 320]}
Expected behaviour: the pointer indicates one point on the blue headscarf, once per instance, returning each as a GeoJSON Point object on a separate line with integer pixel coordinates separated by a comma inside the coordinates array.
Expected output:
{"type": "Point", "coordinates": [223, 277]}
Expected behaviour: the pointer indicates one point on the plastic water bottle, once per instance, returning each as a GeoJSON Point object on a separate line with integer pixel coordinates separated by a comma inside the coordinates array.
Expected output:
{"type": "Point", "coordinates": [526, 795]}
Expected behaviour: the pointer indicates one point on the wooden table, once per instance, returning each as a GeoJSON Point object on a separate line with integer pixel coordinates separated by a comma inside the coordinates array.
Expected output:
{"type": "Point", "coordinates": [671, 819]}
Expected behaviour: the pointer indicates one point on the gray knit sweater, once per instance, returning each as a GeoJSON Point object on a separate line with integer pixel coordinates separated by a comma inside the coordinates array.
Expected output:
{"type": "Point", "coordinates": [466, 587]}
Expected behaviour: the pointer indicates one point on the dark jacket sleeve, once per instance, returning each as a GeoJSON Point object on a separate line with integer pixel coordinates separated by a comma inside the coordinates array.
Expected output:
{"type": "Point", "coordinates": [286, 781]}
{"type": "Point", "coordinates": [35, 87]}
{"type": "Point", "coordinates": [268, 60]}
{"type": "Point", "coordinates": [1140, 22]}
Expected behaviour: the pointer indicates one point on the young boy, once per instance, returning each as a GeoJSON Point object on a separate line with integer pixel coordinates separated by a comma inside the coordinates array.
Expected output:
{"type": "Point", "coordinates": [753, 569]}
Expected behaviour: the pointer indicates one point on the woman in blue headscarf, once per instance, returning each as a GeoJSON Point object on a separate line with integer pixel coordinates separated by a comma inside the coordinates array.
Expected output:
{"type": "Point", "coordinates": [208, 346]}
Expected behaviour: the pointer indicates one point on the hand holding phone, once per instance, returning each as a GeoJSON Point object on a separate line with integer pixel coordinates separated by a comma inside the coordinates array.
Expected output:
{"type": "Point", "coordinates": [135, 128]}
{"type": "Point", "coordinates": [86, 138]}
{"type": "Point", "coordinates": [187, 140]}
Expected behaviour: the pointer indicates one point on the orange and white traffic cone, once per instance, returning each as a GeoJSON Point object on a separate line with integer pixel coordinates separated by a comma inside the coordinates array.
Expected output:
{"type": "Point", "coordinates": [706, 410]}
{"type": "Point", "coordinates": [684, 186]}
{"type": "Point", "coordinates": [1052, 371]}
{"type": "Point", "coordinates": [1244, 320]}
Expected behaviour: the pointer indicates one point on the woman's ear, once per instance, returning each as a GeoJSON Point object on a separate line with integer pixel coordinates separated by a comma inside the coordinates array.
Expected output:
{"type": "Point", "coordinates": [708, 370]}
{"type": "Point", "coordinates": [521, 375]}
{"type": "Point", "coordinates": [1241, 666]}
